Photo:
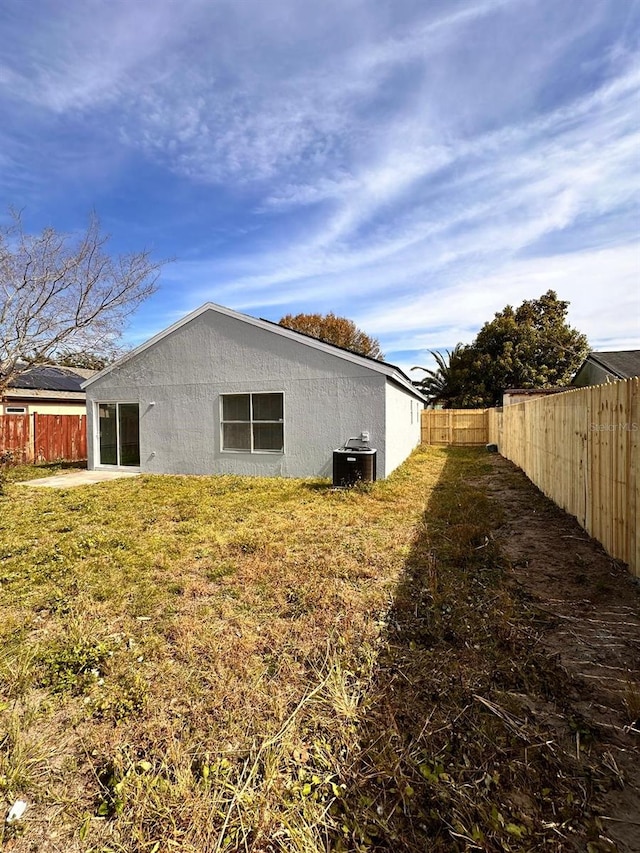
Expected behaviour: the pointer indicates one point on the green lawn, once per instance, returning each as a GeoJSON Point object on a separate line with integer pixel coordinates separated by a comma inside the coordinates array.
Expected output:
{"type": "Point", "coordinates": [227, 663]}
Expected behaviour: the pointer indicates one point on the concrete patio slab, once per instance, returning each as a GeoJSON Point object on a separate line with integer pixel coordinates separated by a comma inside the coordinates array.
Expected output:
{"type": "Point", "coordinates": [77, 478]}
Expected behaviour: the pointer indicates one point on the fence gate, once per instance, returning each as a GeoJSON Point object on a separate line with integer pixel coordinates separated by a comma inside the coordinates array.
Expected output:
{"type": "Point", "coordinates": [461, 427]}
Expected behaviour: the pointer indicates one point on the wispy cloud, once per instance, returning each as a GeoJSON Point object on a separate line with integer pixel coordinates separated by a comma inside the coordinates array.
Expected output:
{"type": "Point", "coordinates": [505, 191]}
{"type": "Point", "coordinates": [87, 54]}
{"type": "Point", "coordinates": [413, 167]}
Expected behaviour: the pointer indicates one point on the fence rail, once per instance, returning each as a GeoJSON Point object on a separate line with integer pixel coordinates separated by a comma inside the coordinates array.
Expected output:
{"type": "Point", "coordinates": [44, 438]}
{"type": "Point", "coordinates": [460, 427]}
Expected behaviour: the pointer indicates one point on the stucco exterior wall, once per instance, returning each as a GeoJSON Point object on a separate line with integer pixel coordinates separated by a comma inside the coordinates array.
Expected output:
{"type": "Point", "coordinates": [177, 383]}
{"type": "Point", "coordinates": [402, 426]}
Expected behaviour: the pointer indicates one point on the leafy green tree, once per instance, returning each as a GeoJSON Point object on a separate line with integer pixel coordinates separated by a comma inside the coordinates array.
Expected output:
{"type": "Point", "coordinates": [531, 346]}
{"type": "Point", "coordinates": [334, 330]}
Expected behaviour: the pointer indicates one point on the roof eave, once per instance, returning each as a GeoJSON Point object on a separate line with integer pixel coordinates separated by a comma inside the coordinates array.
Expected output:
{"type": "Point", "coordinates": [388, 370]}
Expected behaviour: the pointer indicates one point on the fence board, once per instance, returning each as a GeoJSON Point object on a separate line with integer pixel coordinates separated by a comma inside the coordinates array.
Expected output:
{"type": "Point", "coordinates": [582, 449]}
{"type": "Point", "coordinates": [15, 437]}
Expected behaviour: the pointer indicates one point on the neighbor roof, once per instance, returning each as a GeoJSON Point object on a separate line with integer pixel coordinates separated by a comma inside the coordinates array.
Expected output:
{"type": "Point", "coordinates": [51, 377]}
{"type": "Point", "coordinates": [392, 372]}
{"type": "Point", "coordinates": [624, 364]}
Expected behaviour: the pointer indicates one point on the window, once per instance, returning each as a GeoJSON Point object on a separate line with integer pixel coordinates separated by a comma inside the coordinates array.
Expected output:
{"type": "Point", "coordinates": [253, 423]}
{"type": "Point", "coordinates": [15, 410]}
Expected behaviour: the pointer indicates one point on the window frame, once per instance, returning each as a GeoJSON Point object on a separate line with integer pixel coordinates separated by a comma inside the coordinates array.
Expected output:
{"type": "Point", "coordinates": [251, 422]}
{"type": "Point", "coordinates": [16, 410]}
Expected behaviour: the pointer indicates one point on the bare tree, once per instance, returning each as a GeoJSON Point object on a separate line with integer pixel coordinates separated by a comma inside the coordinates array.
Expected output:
{"type": "Point", "coordinates": [61, 292]}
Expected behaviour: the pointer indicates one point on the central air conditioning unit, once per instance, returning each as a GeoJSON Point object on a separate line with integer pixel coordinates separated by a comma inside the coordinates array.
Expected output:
{"type": "Point", "coordinates": [354, 462]}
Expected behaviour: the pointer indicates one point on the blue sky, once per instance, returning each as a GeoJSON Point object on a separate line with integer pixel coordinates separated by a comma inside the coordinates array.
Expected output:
{"type": "Point", "coordinates": [414, 166]}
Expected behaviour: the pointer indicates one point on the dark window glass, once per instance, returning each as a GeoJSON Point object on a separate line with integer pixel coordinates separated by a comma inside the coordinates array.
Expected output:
{"type": "Point", "coordinates": [108, 434]}
{"type": "Point", "coordinates": [129, 423]}
{"type": "Point", "coordinates": [119, 433]}
{"type": "Point", "coordinates": [267, 407]}
{"type": "Point", "coordinates": [253, 422]}
{"type": "Point", "coordinates": [236, 407]}
{"type": "Point", "coordinates": [268, 436]}
{"type": "Point", "coordinates": [236, 436]}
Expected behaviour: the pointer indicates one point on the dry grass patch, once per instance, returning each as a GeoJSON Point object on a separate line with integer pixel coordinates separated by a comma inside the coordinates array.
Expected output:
{"type": "Point", "coordinates": [235, 664]}
{"type": "Point", "coordinates": [185, 659]}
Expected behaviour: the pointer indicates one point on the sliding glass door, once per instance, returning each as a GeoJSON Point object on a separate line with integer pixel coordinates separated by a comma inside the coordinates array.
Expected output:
{"type": "Point", "coordinates": [119, 434]}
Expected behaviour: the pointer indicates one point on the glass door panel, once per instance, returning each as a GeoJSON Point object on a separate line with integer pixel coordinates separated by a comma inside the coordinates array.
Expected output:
{"type": "Point", "coordinates": [108, 434]}
{"type": "Point", "coordinates": [129, 434]}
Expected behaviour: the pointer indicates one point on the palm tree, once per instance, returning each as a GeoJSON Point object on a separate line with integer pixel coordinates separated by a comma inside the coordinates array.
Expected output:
{"type": "Point", "coordinates": [441, 385]}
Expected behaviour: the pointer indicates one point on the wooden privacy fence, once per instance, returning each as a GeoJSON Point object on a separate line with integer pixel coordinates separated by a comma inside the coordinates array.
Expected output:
{"type": "Point", "coordinates": [15, 438]}
{"type": "Point", "coordinates": [461, 427]}
{"type": "Point", "coordinates": [44, 438]}
{"type": "Point", "coordinates": [582, 449]}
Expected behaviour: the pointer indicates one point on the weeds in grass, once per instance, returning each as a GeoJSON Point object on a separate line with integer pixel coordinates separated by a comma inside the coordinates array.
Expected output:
{"type": "Point", "coordinates": [72, 663]}
{"type": "Point", "coordinates": [451, 755]}
{"type": "Point", "coordinates": [232, 664]}
{"type": "Point", "coordinates": [220, 623]}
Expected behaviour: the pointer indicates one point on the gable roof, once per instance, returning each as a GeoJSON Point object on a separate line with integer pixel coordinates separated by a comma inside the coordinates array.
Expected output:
{"type": "Point", "coordinates": [624, 364]}
{"type": "Point", "coordinates": [393, 373]}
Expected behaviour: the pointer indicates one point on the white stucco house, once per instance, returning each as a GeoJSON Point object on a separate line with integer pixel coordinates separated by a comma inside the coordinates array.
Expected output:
{"type": "Point", "coordinates": [221, 392]}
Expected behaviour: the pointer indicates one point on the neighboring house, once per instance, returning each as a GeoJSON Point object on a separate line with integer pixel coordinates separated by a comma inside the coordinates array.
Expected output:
{"type": "Point", "coordinates": [223, 393]}
{"type": "Point", "coordinates": [601, 367]}
{"type": "Point", "coordinates": [47, 389]}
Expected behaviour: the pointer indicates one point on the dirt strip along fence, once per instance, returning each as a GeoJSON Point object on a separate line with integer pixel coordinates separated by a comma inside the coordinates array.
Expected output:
{"type": "Point", "coordinates": [43, 438]}
{"type": "Point", "coordinates": [460, 427]}
{"type": "Point", "coordinates": [582, 449]}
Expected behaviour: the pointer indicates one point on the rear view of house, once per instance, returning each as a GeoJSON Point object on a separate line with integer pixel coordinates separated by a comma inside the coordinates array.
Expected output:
{"type": "Point", "coordinates": [223, 393]}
